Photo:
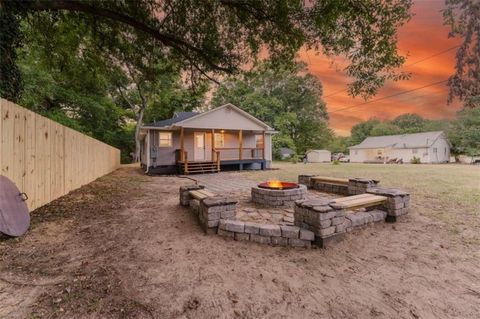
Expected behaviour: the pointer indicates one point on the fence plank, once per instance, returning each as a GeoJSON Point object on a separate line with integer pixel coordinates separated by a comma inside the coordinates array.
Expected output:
{"type": "Point", "coordinates": [46, 160]}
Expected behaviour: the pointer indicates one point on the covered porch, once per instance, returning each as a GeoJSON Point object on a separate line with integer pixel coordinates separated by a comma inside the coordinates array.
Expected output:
{"type": "Point", "coordinates": [207, 150]}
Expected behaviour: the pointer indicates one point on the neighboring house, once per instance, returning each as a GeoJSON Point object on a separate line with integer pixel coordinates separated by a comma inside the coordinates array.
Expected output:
{"type": "Point", "coordinates": [429, 147]}
{"type": "Point", "coordinates": [222, 138]}
{"type": "Point", "coordinates": [286, 152]}
{"type": "Point", "coordinates": [319, 156]}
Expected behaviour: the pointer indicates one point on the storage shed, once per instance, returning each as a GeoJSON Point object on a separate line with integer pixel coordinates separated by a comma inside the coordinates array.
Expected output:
{"type": "Point", "coordinates": [319, 156]}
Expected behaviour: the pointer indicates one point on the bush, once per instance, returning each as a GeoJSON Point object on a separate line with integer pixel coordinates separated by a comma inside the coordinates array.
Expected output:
{"type": "Point", "coordinates": [294, 158]}
{"type": "Point", "coordinates": [336, 162]}
{"type": "Point", "coordinates": [415, 160]}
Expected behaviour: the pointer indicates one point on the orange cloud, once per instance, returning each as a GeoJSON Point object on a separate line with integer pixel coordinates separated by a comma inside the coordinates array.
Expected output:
{"type": "Point", "coordinates": [424, 36]}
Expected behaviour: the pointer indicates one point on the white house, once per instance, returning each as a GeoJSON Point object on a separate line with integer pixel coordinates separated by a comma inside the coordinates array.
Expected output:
{"type": "Point", "coordinates": [319, 156]}
{"type": "Point", "coordinates": [223, 138]}
{"type": "Point", "coordinates": [429, 147]}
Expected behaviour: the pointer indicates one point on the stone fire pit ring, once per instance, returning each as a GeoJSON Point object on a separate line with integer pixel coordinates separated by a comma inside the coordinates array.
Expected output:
{"type": "Point", "coordinates": [278, 197]}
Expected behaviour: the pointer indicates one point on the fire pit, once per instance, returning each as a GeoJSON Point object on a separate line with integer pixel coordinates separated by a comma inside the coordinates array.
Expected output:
{"type": "Point", "coordinates": [278, 185]}
{"type": "Point", "coordinates": [276, 193]}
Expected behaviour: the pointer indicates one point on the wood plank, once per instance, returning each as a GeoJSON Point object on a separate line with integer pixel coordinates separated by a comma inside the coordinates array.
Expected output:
{"type": "Point", "coordinates": [364, 202]}
{"type": "Point", "coordinates": [331, 179]}
{"type": "Point", "coordinates": [197, 194]}
{"type": "Point", "coordinates": [353, 197]}
{"type": "Point", "coordinates": [30, 185]}
{"type": "Point", "coordinates": [206, 192]}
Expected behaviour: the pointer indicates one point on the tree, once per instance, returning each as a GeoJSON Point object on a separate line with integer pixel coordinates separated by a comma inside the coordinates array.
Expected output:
{"type": "Point", "coordinates": [362, 130]}
{"type": "Point", "coordinates": [409, 123]}
{"type": "Point", "coordinates": [339, 144]}
{"type": "Point", "coordinates": [385, 128]}
{"type": "Point", "coordinates": [465, 132]}
{"type": "Point", "coordinates": [285, 97]}
{"type": "Point", "coordinates": [222, 36]}
{"type": "Point", "coordinates": [463, 17]}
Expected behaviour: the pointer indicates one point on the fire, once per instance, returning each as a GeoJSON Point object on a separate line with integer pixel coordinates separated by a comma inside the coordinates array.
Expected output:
{"type": "Point", "coordinates": [275, 183]}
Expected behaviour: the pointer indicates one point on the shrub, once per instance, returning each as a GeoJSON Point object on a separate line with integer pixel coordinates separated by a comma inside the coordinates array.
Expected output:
{"type": "Point", "coordinates": [336, 162]}
{"type": "Point", "coordinates": [415, 160]}
{"type": "Point", "coordinates": [294, 158]}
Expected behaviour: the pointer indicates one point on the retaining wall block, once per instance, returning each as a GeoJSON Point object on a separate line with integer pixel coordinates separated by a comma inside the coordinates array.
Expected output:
{"type": "Point", "coordinates": [270, 230]}
{"type": "Point", "coordinates": [260, 239]}
{"type": "Point", "coordinates": [290, 231]}
{"type": "Point", "coordinates": [279, 241]}
{"type": "Point", "coordinates": [242, 236]}
{"type": "Point", "coordinates": [299, 243]}
{"type": "Point", "coordinates": [307, 235]}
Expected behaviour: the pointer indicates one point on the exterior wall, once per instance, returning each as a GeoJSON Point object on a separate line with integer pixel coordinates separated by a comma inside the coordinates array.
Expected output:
{"type": "Point", "coordinates": [407, 154]}
{"type": "Point", "coordinates": [443, 151]}
{"type": "Point", "coordinates": [319, 156]}
{"type": "Point", "coordinates": [362, 155]}
{"type": "Point", "coordinates": [268, 150]}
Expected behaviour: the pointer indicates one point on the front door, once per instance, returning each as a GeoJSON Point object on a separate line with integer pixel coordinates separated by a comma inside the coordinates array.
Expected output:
{"type": "Point", "coordinates": [199, 146]}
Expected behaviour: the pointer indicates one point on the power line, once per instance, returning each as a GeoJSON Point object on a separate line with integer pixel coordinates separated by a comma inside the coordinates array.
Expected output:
{"type": "Point", "coordinates": [406, 66]}
{"type": "Point", "coordinates": [389, 96]}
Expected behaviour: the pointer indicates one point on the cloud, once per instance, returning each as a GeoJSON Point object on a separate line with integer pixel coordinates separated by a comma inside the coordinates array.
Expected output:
{"type": "Point", "coordinates": [424, 36]}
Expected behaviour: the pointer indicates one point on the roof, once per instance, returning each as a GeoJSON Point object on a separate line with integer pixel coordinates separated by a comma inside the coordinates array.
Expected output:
{"type": "Point", "coordinates": [186, 118]}
{"type": "Point", "coordinates": [177, 117]}
{"type": "Point", "coordinates": [416, 140]}
{"type": "Point", "coordinates": [286, 150]}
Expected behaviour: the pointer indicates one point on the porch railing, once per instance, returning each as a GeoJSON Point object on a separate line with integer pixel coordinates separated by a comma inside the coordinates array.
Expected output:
{"type": "Point", "coordinates": [234, 153]}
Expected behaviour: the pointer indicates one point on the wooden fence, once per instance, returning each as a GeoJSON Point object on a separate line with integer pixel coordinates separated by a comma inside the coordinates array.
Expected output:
{"type": "Point", "coordinates": [47, 160]}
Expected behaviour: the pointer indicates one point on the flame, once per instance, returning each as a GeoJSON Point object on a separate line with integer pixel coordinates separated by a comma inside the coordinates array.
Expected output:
{"type": "Point", "coordinates": [275, 183]}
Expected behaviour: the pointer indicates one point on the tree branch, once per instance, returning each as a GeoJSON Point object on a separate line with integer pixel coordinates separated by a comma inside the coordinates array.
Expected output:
{"type": "Point", "coordinates": [167, 39]}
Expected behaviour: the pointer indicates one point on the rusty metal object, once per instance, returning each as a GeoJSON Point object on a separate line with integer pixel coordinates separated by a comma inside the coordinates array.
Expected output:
{"type": "Point", "coordinates": [14, 214]}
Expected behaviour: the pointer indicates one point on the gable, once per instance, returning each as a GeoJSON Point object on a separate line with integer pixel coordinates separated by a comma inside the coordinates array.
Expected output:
{"type": "Point", "coordinates": [225, 117]}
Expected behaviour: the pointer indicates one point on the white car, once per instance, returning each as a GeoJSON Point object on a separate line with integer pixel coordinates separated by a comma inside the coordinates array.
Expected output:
{"type": "Point", "coordinates": [344, 159]}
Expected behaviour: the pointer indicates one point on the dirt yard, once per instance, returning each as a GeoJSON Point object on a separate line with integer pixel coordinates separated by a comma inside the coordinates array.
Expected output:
{"type": "Point", "coordinates": [122, 247]}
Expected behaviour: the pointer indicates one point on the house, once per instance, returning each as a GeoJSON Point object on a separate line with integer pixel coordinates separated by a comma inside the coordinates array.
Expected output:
{"type": "Point", "coordinates": [319, 156]}
{"type": "Point", "coordinates": [429, 147]}
{"type": "Point", "coordinates": [286, 152]}
{"type": "Point", "coordinates": [220, 139]}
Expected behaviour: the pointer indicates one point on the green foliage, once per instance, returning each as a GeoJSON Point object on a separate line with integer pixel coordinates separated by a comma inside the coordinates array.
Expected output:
{"type": "Point", "coordinates": [463, 17]}
{"type": "Point", "coordinates": [465, 132]}
{"type": "Point", "coordinates": [285, 97]}
{"type": "Point", "coordinates": [223, 36]}
{"type": "Point", "coordinates": [362, 130]}
{"type": "Point", "coordinates": [415, 160]}
{"type": "Point", "coordinates": [10, 39]}
{"type": "Point", "coordinates": [335, 162]}
{"type": "Point", "coordinates": [294, 158]}
{"type": "Point", "coordinates": [409, 123]}
{"type": "Point", "coordinates": [339, 144]}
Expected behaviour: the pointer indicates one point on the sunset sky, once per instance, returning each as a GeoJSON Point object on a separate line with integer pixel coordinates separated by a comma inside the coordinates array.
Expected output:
{"type": "Point", "coordinates": [423, 36]}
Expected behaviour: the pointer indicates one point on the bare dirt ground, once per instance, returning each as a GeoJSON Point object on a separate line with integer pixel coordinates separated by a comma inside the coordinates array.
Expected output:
{"type": "Point", "coordinates": [122, 247]}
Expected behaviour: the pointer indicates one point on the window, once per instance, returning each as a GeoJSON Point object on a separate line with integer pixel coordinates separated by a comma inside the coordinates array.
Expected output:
{"type": "Point", "coordinates": [165, 139]}
{"type": "Point", "coordinates": [379, 152]}
{"type": "Point", "coordinates": [414, 151]}
{"type": "Point", "coordinates": [435, 150]}
{"type": "Point", "coordinates": [219, 140]}
{"type": "Point", "coordinates": [259, 141]}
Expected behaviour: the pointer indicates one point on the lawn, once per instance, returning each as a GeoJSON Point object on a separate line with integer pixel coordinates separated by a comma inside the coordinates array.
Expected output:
{"type": "Point", "coordinates": [448, 192]}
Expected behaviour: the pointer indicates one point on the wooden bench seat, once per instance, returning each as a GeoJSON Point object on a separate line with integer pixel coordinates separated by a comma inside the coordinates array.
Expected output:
{"type": "Point", "coordinates": [331, 180]}
{"type": "Point", "coordinates": [201, 194]}
{"type": "Point", "coordinates": [360, 201]}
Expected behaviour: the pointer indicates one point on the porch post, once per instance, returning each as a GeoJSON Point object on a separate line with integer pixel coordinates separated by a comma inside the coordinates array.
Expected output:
{"type": "Point", "coordinates": [240, 144]}
{"type": "Point", "coordinates": [182, 154]}
{"type": "Point", "coordinates": [213, 144]}
{"type": "Point", "coordinates": [148, 149]}
{"type": "Point", "coordinates": [264, 145]}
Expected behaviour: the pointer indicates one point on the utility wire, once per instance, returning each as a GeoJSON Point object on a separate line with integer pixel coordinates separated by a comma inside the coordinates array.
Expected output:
{"type": "Point", "coordinates": [416, 62]}
{"type": "Point", "coordinates": [387, 97]}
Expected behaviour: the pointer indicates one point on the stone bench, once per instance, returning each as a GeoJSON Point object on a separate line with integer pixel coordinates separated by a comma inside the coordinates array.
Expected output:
{"type": "Point", "coordinates": [329, 219]}
{"type": "Point", "coordinates": [342, 186]}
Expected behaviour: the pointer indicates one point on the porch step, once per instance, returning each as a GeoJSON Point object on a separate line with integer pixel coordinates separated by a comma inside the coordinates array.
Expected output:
{"type": "Point", "coordinates": [199, 167]}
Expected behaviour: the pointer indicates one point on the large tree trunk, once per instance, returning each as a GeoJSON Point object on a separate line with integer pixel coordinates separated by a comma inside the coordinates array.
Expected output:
{"type": "Point", "coordinates": [136, 157]}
